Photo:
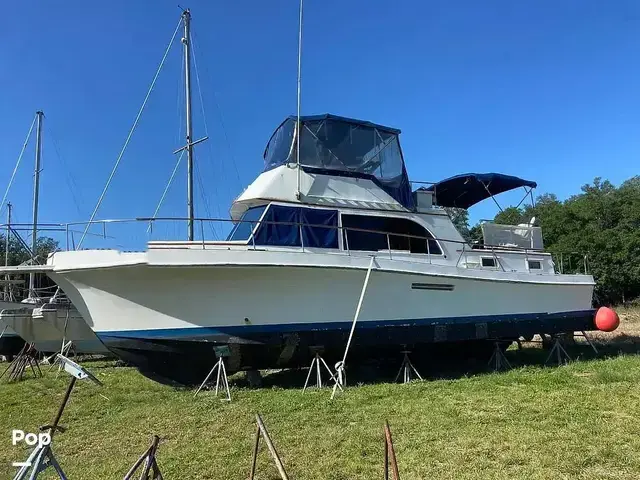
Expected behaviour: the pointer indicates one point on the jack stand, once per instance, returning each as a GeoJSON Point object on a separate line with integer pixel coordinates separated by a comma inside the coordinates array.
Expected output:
{"type": "Point", "coordinates": [150, 463]}
{"type": "Point", "coordinates": [221, 379]}
{"type": "Point", "coordinates": [562, 357]}
{"type": "Point", "coordinates": [389, 453]}
{"type": "Point", "coordinates": [42, 457]}
{"type": "Point", "coordinates": [28, 357]}
{"type": "Point", "coordinates": [407, 369]}
{"type": "Point", "coordinates": [498, 360]}
{"type": "Point", "coordinates": [66, 350]}
{"type": "Point", "coordinates": [316, 361]}
{"type": "Point", "coordinates": [584, 335]}
{"type": "Point", "coordinates": [262, 431]}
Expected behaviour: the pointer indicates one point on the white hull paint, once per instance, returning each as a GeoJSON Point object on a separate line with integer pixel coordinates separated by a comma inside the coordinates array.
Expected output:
{"type": "Point", "coordinates": [183, 289]}
{"type": "Point", "coordinates": [48, 327]}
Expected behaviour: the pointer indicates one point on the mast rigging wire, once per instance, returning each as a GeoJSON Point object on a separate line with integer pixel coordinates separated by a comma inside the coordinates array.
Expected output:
{"type": "Point", "coordinates": [126, 143]}
{"type": "Point", "coordinates": [166, 189]}
{"type": "Point", "coordinates": [69, 179]}
{"type": "Point", "coordinates": [15, 169]}
{"type": "Point", "coordinates": [215, 99]}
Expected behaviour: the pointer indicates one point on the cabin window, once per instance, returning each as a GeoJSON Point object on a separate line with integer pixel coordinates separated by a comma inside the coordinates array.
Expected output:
{"type": "Point", "coordinates": [242, 230]}
{"type": "Point", "coordinates": [535, 265]}
{"type": "Point", "coordinates": [398, 228]}
{"type": "Point", "coordinates": [488, 262]}
{"type": "Point", "coordinates": [294, 227]}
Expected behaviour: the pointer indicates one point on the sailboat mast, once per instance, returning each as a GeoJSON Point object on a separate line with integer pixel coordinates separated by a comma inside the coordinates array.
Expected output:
{"type": "Point", "coordinates": [6, 250]}
{"type": "Point", "coordinates": [36, 192]}
{"type": "Point", "coordinates": [186, 41]}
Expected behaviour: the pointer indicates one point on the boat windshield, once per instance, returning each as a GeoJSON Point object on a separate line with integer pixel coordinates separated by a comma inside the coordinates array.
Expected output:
{"type": "Point", "coordinates": [342, 146]}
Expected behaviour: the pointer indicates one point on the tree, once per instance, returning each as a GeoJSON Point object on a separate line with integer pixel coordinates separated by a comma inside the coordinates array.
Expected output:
{"type": "Point", "coordinates": [460, 219]}
{"type": "Point", "coordinates": [603, 223]}
{"type": "Point", "coordinates": [18, 254]}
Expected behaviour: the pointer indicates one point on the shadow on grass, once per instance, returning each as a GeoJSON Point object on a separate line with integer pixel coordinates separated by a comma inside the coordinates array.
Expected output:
{"type": "Point", "coordinates": [452, 362]}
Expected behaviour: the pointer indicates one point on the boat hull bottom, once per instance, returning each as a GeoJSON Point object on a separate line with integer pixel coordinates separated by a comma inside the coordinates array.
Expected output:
{"type": "Point", "coordinates": [187, 359]}
{"type": "Point", "coordinates": [10, 345]}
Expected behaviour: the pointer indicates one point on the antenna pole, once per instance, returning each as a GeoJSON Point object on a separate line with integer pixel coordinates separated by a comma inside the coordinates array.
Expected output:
{"type": "Point", "coordinates": [6, 249]}
{"type": "Point", "coordinates": [186, 18]}
{"type": "Point", "coordinates": [298, 124]}
{"type": "Point", "coordinates": [36, 192]}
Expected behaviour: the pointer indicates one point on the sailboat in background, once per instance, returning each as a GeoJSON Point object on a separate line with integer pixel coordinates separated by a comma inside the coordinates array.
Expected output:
{"type": "Point", "coordinates": [47, 322]}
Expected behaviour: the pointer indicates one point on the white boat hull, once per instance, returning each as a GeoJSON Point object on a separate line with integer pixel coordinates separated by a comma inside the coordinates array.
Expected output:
{"type": "Point", "coordinates": [49, 326]}
{"type": "Point", "coordinates": [270, 314]}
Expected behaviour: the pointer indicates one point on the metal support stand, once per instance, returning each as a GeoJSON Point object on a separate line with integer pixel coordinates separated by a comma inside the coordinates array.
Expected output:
{"type": "Point", "coordinates": [561, 355]}
{"type": "Point", "coordinates": [28, 357]}
{"type": "Point", "coordinates": [222, 382]}
{"type": "Point", "coordinates": [67, 350]}
{"type": "Point", "coordinates": [150, 463]}
{"type": "Point", "coordinates": [261, 430]}
{"type": "Point", "coordinates": [389, 453]}
{"type": "Point", "coordinates": [407, 369]}
{"type": "Point", "coordinates": [315, 364]}
{"type": "Point", "coordinates": [498, 360]}
{"type": "Point", "coordinates": [584, 334]}
{"type": "Point", "coordinates": [42, 457]}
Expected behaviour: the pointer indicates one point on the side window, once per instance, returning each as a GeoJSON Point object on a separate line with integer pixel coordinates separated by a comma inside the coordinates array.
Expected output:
{"type": "Point", "coordinates": [283, 226]}
{"type": "Point", "coordinates": [535, 265]}
{"type": "Point", "coordinates": [242, 230]}
{"type": "Point", "coordinates": [404, 234]}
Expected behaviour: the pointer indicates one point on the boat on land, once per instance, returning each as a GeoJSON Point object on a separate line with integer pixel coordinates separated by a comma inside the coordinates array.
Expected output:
{"type": "Point", "coordinates": [46, 321]}
{"type": "Point", "coordinates": [333, 206]}
{"type": "Point", "coordinates": [287, 279]}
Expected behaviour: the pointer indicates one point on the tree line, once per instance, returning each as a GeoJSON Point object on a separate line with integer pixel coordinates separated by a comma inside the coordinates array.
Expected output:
{"type": "Point", "coordinates": [602, 222]}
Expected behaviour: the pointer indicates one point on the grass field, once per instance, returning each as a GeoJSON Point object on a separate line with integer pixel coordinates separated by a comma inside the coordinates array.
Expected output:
{"type": "Point", "coordinates": [574, 422]}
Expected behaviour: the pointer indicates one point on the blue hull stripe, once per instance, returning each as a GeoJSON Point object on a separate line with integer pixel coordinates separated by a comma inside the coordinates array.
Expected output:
{"type": "Point", "coordinates": [177, 333]}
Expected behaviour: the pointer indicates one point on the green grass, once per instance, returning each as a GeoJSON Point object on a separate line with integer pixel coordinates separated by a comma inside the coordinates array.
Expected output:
{"type": "Point", "coordinates": [578, 421]}
{"type": "Point", "coordinates": [575, 422]}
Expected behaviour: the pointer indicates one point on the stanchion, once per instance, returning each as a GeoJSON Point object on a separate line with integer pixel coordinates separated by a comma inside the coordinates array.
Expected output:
{"type": "Point", "coordinates": [407, 369]}
{"type": "Point", "coordinates": [222, 381]}
{"type": "Point", "coordinates": [261, 431]}
{"type": "Point", "coordinates": [315, 366]}
{"type": "Point", "coordinates": [150, 463]}
{"type": "Point", "coordinates": [42, 457]}
{"type": "Point", "coordinates": [389, 453]}
{"type": "Point", "coordinates": [26, 358]}
{"type": "Point", "coordinates": [498, 360]}
{"type": "Point", "coordinates": [561, 355]}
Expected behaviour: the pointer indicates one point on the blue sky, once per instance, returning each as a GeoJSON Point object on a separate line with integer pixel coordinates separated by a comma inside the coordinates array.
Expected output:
{"type": "Point", "coordinates": [543, 89]}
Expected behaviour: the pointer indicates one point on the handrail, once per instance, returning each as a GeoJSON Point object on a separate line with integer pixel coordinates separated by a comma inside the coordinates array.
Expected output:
{"type": "Point", "coordinates": [466, 247]}
{"type": "Point", "coordinates": [268, 222]}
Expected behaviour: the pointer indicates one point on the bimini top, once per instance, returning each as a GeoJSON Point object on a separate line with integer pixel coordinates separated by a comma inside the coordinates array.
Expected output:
{"type": "Point", "coordinates": [342, 146]}
{"type": "Point", "coordinates": [463, 191]}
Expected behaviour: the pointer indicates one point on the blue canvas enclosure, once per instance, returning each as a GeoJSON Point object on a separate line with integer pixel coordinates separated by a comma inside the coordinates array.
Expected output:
{"type": "Point", "coordinates": [464, 191]}
{"type": "Point", "coordinates": [342, 146]}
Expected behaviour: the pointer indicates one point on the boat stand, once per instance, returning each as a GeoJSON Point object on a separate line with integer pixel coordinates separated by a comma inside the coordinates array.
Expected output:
{"type": "Point", "coordinates": [316, 363]}
{"type": "Point", "coordinates": [28, 357]}
{"type": "Point", "coordinates": [588, 340]}
{"type": "Point", "coordinates": [222, 381]}
{"type": "Point", "coordinates": [150, 463]}
{"type": "Point", "coordinates": [407, 369]}
{"type": "Point", "coordinates": [561, 355]}
{"type": "Point", "coordinates": [498, 360]}
{"type": "Point", "coordinates": [42, 457]}
{"type": "Point", "coordinates": [261, 431]}
{"type": "Point", "coordinates": [389, 454]}
{"type": "Point", "coordinates": [67, 350]}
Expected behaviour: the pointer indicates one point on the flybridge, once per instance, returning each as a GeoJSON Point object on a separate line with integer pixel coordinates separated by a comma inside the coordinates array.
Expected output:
{"type": "Point", "coordinates": [342, 146]}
